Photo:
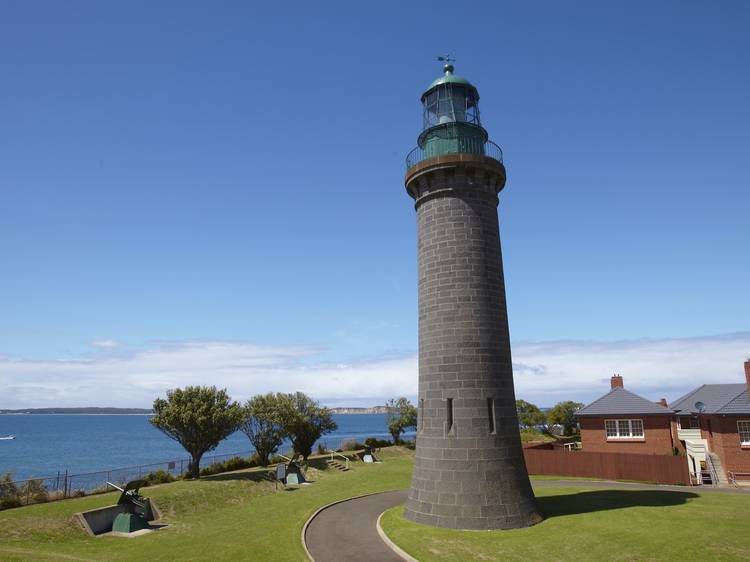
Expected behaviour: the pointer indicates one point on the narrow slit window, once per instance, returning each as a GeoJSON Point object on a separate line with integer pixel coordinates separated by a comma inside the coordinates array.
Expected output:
{"type": "Point", "coordinates": [491, 413]}
{"type": "Point", "coordinates": [420, 415]}
{"type": "Point", "coordinates": [450, 413]}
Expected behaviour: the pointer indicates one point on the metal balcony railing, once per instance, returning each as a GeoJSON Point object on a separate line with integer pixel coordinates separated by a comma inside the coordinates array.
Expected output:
{"type": "Point", "coordinates": [469, 146]}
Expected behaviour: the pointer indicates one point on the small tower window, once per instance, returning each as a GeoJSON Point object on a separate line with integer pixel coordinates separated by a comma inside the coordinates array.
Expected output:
{"type": "Point", "coordinates": [420, 415]}
{"type": "Point", "coordinates": [491, 413]}
{"type": "Point", "coordinates": [449, 413]}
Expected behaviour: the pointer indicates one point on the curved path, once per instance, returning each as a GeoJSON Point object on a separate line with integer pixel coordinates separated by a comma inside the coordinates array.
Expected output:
{"type": "Point", "coordinates": [348, 530]}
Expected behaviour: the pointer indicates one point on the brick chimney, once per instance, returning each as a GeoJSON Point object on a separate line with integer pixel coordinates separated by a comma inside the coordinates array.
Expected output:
{"type": "Point", "coordinates": [663, 402]}
{"type": "Point", "coordinates": [616, 380]}
{"type": "Point", "coordinates": [747, 375]}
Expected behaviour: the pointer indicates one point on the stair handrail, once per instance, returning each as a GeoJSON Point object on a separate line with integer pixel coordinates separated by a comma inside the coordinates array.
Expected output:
{"type": "Point", "coordinates": [712, 470]}
{"type": "Point", "coordinates": [342, 456]}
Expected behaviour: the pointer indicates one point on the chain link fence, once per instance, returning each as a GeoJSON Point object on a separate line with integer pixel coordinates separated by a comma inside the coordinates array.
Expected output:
{"type": "Point", "coordinates": [64, 485]}
{"type": "Point", "coordinates": [14, 493]}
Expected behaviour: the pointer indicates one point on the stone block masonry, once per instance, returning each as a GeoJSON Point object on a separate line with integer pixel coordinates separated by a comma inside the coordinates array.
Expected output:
{"type": "Point", "coordinates": [469, 469]}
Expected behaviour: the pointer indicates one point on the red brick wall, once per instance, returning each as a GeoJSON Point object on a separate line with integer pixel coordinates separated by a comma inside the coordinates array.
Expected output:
{"type": "Point", "coordinates": [724, 440]}
{"type": "Point", "coordinates": [657, 433]}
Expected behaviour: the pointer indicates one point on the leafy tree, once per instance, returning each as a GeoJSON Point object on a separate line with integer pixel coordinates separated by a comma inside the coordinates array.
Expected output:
{"type": "Point", "coordinates": [304, 421]}
{"type": "Point", "coordinates": [529, 415]}
{"type": "Point", "coordinates": [402, 415]}
{"type": "Point", "coordinates": [564, 414]}
{"type": "Point", "coordinates": [198, 418]}
{"type": "Point", "coordinates": [263, 424]}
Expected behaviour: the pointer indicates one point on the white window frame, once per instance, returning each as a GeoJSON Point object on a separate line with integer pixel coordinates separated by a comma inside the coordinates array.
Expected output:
{"type": "Point", "coordinates": [615, 426]}
{"type": "Point", "coordinates": [745, 431]}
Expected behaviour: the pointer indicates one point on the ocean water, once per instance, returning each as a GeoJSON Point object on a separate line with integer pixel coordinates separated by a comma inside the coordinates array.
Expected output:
{"type": "Point", "coordinates": [48, 444]}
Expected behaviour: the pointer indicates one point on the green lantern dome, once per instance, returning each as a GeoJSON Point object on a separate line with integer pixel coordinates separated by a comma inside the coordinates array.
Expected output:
{"type": "Point", "coordinates": [450, 78]}
{"type": "Point", "coordinates": [451, 117]}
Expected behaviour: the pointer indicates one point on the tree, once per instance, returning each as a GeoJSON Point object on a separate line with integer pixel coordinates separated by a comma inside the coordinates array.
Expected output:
{"type": "Point", "coordinates": [304, 421]}
{"type": "Point", "coordinates": [564, 414]}
{"type": "Point", "coordinates": [529, 415]}
{"type": "Point", "coordinates": [198, 418]}
{"type": "Point", "coordinates": [402, 415]}
{"type": "Point", "coordinates": [263, 424]}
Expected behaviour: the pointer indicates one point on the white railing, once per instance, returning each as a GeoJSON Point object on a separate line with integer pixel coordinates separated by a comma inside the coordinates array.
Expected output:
{"type": "Point", "coordinates": [340, 455]}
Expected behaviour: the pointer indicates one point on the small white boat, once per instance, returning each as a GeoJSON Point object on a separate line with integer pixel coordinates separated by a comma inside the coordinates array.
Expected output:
{"type": "Point", "coordinates": [7, 438]}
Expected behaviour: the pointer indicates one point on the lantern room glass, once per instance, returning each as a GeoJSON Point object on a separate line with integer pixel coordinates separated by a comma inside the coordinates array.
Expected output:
{"type": "Point", "coordinates": [451, 103]}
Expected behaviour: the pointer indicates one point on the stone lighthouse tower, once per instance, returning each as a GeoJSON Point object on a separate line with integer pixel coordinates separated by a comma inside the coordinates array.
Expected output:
{"type": "Point", "coordinates": [469, 471]}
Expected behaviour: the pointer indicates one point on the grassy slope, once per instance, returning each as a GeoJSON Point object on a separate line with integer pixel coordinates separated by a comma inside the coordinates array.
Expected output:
{"type": "Point", "coordinates": [591, 524]}
{"type": "Point", "coordinates": [225, 517]}
{"type": "Point", "coordinates": [235, 516]}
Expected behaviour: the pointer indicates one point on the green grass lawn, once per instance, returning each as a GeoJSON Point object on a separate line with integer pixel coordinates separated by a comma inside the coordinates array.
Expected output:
{"type": "Point", "coordinates": [597, 524]}
{"type": "Point", "coordinates": [231, 516]}
{"type": "Point", "coordinates": [239, 516]}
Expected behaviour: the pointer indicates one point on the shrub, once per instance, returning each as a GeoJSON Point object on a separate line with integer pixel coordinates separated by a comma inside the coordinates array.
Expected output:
{"type": "Point", "coordinates": [235, 463]}
{"type": "Point", "coordinates": [411, 445]}
{"type": "Point", "coordinates": [322, 449]}
{"type": "Point", "coordinates": [375, 443]}
{"type": "Point", "coordinates": [34, 491]}
{"type": "Point", "coordinates": [159, 477]}
{"type": "Point", "coordinates": [238, 463]}
{"type": "Point", "coordinates": [529, 435]}
{"type": "Point", "coordinates": [8, 492]}
{"type": "Point", "coordinates": [351, 445]}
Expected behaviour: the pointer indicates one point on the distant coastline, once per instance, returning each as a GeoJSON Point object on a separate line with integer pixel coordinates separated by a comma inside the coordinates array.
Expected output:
{"type": "Point", "coordinates": [148, 411]}
{"type": "Point", "coordinates": [371, 410]}
{"type": "Point", "coordinates": [89, 411]}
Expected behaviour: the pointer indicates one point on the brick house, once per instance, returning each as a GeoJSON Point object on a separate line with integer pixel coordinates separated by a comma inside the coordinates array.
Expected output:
{"type": "Point", "coordinates": [709, 425]}
{"type": "Point", "coordinates": [712, 424]}
{"type": "Point", "coordinates": [623, 422]}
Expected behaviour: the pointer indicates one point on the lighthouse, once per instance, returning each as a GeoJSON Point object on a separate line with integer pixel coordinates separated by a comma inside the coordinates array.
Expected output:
{"type": "Point", "coordinates": [469, 470]}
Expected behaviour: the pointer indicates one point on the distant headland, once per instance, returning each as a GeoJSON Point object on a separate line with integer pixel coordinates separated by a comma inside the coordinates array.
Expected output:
{"type": "Point", "coordinates": [91, 411]}
{"type": "Point", "coordinates": [372, 410]}
{"type": "Point", "coordinates": [145, 411]}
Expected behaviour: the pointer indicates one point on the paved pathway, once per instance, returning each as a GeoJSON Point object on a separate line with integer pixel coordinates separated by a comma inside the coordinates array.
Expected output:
{"type": "Point", "coordinates": [348, 530]}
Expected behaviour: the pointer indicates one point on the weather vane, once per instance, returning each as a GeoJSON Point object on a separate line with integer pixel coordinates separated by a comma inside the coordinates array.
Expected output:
{"type": "Point", "coordinates": [446, 58]}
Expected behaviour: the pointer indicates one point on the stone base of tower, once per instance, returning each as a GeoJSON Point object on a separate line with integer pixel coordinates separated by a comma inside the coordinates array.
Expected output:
{"type": "Point", "coordinates": [470, 493]}
{"type": "Point", "coordinates": [469, 470]}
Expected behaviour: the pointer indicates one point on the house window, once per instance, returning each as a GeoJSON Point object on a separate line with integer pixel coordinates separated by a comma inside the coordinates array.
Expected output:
{"type": "Point", "coordinates": [743, 428]}
{"type": "Point", "coordinates": [611, 426]}
{"type": "Point", "coordinates": [624, 429]}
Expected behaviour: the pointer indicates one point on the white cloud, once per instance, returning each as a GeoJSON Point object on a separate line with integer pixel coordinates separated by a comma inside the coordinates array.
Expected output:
{"type": "Point", "coordinates": [105, 344]}
{"type": "Point", "coordinates": [545, 372]}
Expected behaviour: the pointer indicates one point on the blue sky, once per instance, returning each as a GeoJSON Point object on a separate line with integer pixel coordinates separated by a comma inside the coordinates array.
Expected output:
{"type": "Point", "coordinates": [232, 174]}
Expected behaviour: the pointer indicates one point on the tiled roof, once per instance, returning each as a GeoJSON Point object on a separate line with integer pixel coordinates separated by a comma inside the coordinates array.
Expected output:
{"type": "Point", "coordinates": [622, 402]}
{"type": "Point", "coordinates": [717, 398]}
